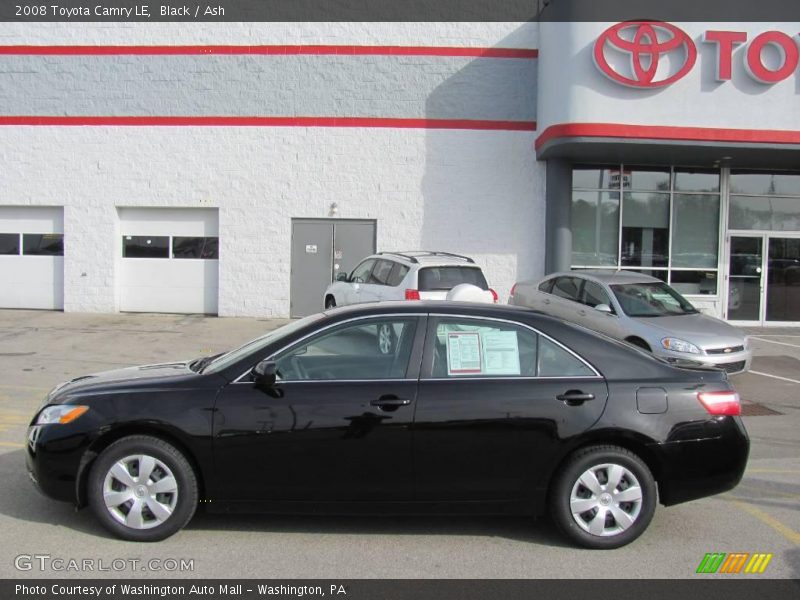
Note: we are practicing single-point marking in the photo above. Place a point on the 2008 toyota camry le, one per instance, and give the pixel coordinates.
(421, 407)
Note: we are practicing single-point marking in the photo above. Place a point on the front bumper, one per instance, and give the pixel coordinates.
(54, 458)
(733, 363)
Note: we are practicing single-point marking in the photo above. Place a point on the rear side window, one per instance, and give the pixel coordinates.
(465, 348)
(446, 278)
(546, 286)
(566, 287)
(397, 274)
(380, 274)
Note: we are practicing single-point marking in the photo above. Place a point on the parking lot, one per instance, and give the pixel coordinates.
(40, 349)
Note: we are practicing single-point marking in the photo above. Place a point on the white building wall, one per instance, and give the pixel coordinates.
(473, 192)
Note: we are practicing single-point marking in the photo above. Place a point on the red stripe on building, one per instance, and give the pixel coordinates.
(666, 132)
(270, 50)
(395, 123)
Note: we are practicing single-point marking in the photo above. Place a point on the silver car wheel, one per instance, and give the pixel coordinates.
(385, 341)
(140, 491)
(606, 499)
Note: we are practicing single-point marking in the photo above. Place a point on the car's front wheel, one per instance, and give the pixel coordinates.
(330, 303)
(604, 497)
(142, 489)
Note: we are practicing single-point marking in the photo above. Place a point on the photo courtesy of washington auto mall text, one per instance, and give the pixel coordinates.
(399, 299)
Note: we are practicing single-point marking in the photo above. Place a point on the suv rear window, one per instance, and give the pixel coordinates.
(446, 278)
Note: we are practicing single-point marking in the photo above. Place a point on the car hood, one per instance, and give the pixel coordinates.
(162, 373)
(699, 329)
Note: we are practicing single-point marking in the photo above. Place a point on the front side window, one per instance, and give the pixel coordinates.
(43, 244)
(371, 349)
(594, 294)
(464, 348)
(651, 300)
(361, 272)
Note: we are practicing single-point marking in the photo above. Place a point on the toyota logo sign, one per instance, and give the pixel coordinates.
(644, 43)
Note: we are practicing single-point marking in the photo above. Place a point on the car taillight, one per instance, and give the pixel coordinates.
(495, 297)
(412, 294)
(513, 290)
(721, 403)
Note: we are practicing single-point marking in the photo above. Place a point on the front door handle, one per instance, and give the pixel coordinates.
(574, 397)
(390, 402)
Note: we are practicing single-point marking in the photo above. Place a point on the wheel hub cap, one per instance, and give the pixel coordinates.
(606, 499)
(140, 491)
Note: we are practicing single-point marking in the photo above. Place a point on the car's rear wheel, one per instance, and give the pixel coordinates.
(330, 303)
(604, 497)
(143, 489)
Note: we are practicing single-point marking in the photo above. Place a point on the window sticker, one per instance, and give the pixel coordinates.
(464, 353)
(500, 352)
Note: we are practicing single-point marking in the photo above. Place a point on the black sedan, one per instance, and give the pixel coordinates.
(397, 407)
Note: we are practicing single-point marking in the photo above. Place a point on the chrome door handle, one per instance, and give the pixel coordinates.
(390, 402)
(574, 397)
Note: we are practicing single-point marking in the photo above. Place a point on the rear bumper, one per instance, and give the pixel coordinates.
(695, 469)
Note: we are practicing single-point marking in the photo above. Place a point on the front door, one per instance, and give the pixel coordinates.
(764, 279)
(335, 427)
(320, 249)
(495, 402)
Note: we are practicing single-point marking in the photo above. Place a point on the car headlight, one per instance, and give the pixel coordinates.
(678, 345)
(60, 413)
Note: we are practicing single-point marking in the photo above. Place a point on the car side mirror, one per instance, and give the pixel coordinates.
(265, 373)
(604, 308)
(341, 276)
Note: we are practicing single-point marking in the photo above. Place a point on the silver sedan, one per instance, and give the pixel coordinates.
(638, 309)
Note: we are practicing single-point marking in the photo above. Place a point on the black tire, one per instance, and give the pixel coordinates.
(183, 473)
(579, 463)
(330, 303)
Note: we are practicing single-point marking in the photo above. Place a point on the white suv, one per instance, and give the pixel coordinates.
(410, 276)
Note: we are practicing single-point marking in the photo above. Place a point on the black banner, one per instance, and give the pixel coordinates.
(397, 10)
(723, 588)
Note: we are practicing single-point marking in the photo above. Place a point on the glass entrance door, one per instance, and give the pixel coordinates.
(745, 278)
(783, 280)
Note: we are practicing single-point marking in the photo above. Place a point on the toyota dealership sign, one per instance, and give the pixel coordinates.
(654, 54)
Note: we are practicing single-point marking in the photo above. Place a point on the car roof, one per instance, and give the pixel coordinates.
(427, 258)
(434, 306)
(609, 276)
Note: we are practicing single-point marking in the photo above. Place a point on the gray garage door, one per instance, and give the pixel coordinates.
(320, 249)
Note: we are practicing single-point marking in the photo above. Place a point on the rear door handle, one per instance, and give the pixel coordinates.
(574, 397)
(390, 402)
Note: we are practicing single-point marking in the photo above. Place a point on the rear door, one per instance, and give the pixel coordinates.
(496, 400)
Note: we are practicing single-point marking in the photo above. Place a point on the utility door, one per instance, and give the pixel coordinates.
(320, 249)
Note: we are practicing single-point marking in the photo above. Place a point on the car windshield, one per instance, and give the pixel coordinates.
(223, 361)
(655, 299)
(446, 278)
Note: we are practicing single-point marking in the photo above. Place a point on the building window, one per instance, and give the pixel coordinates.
(765, 201)
(195, 247)
(662, 222)
(43, 244)
(9, 243)
(145, 246)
